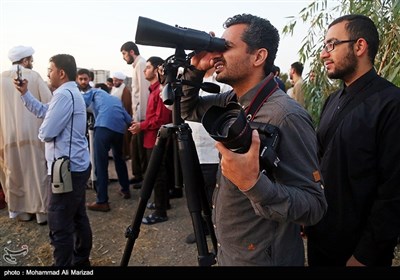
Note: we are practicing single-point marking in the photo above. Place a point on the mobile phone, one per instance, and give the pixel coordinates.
(19, 75)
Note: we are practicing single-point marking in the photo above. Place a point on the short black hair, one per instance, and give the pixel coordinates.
(298, 67)
(128, 46)
(276, 70)
(155, 61)
(67, 63)
(260, 33)
(360, 26)
(103, 86)
(83, 71)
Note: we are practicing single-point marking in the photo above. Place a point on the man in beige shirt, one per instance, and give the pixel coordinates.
(296, 70)
(140, 95)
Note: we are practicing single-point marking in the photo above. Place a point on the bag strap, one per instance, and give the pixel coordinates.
(72, 124)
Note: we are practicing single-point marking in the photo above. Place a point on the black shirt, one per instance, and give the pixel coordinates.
(360, 165)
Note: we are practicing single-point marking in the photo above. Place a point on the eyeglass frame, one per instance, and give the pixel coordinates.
(336, 42)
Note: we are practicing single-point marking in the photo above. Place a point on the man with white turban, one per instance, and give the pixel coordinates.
(124, 93)
(23, 171)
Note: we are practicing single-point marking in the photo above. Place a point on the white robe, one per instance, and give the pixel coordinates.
(140, 90)
(118, 91)
(23, 170)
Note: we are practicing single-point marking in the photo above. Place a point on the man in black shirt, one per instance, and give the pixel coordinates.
(359, 153)
(277, 71)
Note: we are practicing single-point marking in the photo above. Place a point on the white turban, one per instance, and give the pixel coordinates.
(19, 52)
(119, 75)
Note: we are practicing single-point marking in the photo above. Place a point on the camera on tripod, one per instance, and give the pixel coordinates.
(229, 125)
(186, 161)
(154, 33)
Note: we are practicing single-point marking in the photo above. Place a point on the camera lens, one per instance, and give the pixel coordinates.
(229, 126)
(224, 125)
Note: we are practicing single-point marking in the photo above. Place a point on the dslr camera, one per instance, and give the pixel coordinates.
(230, 126)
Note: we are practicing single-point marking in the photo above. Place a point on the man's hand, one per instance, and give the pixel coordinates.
(241, 169)
(21, 88)
(134, 128)
(203, 60)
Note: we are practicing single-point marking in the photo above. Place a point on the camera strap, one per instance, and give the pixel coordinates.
(265, 91)
(61, 167)
(270, 133)
(72, 124)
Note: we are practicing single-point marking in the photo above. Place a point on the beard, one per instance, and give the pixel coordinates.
(83, 87)
(130, 59)
(233, 73)
(346, 68)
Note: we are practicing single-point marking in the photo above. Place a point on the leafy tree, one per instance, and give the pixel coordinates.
(318, 15)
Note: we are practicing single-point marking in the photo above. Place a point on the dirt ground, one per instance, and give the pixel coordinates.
(157, 245)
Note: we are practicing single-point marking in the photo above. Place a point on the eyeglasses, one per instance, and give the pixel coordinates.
(328, 47)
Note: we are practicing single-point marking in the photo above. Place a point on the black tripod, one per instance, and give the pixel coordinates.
(90, 132)
(188, 162)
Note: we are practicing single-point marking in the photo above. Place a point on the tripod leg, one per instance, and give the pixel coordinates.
(177, 165)
(93, 177)
(207, 217)
(195, 194)
(132, 232)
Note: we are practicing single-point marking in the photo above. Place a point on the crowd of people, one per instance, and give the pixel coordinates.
(336, 185)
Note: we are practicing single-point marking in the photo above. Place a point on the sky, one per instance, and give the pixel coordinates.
(94, 30)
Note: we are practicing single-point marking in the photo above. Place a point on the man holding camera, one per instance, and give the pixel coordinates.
(258, 215)
(63, 131)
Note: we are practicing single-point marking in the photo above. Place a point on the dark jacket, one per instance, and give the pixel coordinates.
(262, 225)
(360, 165)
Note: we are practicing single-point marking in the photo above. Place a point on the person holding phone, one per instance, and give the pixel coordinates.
(25, 189)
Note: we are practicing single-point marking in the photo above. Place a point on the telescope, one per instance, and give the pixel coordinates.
(153, 33)
(186, 162)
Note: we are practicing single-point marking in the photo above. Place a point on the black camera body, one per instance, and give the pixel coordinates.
(229, 125)
(269, 136)
(19, 76)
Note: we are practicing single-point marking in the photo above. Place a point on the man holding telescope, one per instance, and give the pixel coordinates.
(257, 216)
(257, 212)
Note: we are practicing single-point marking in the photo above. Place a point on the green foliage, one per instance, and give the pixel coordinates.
(318, 15)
